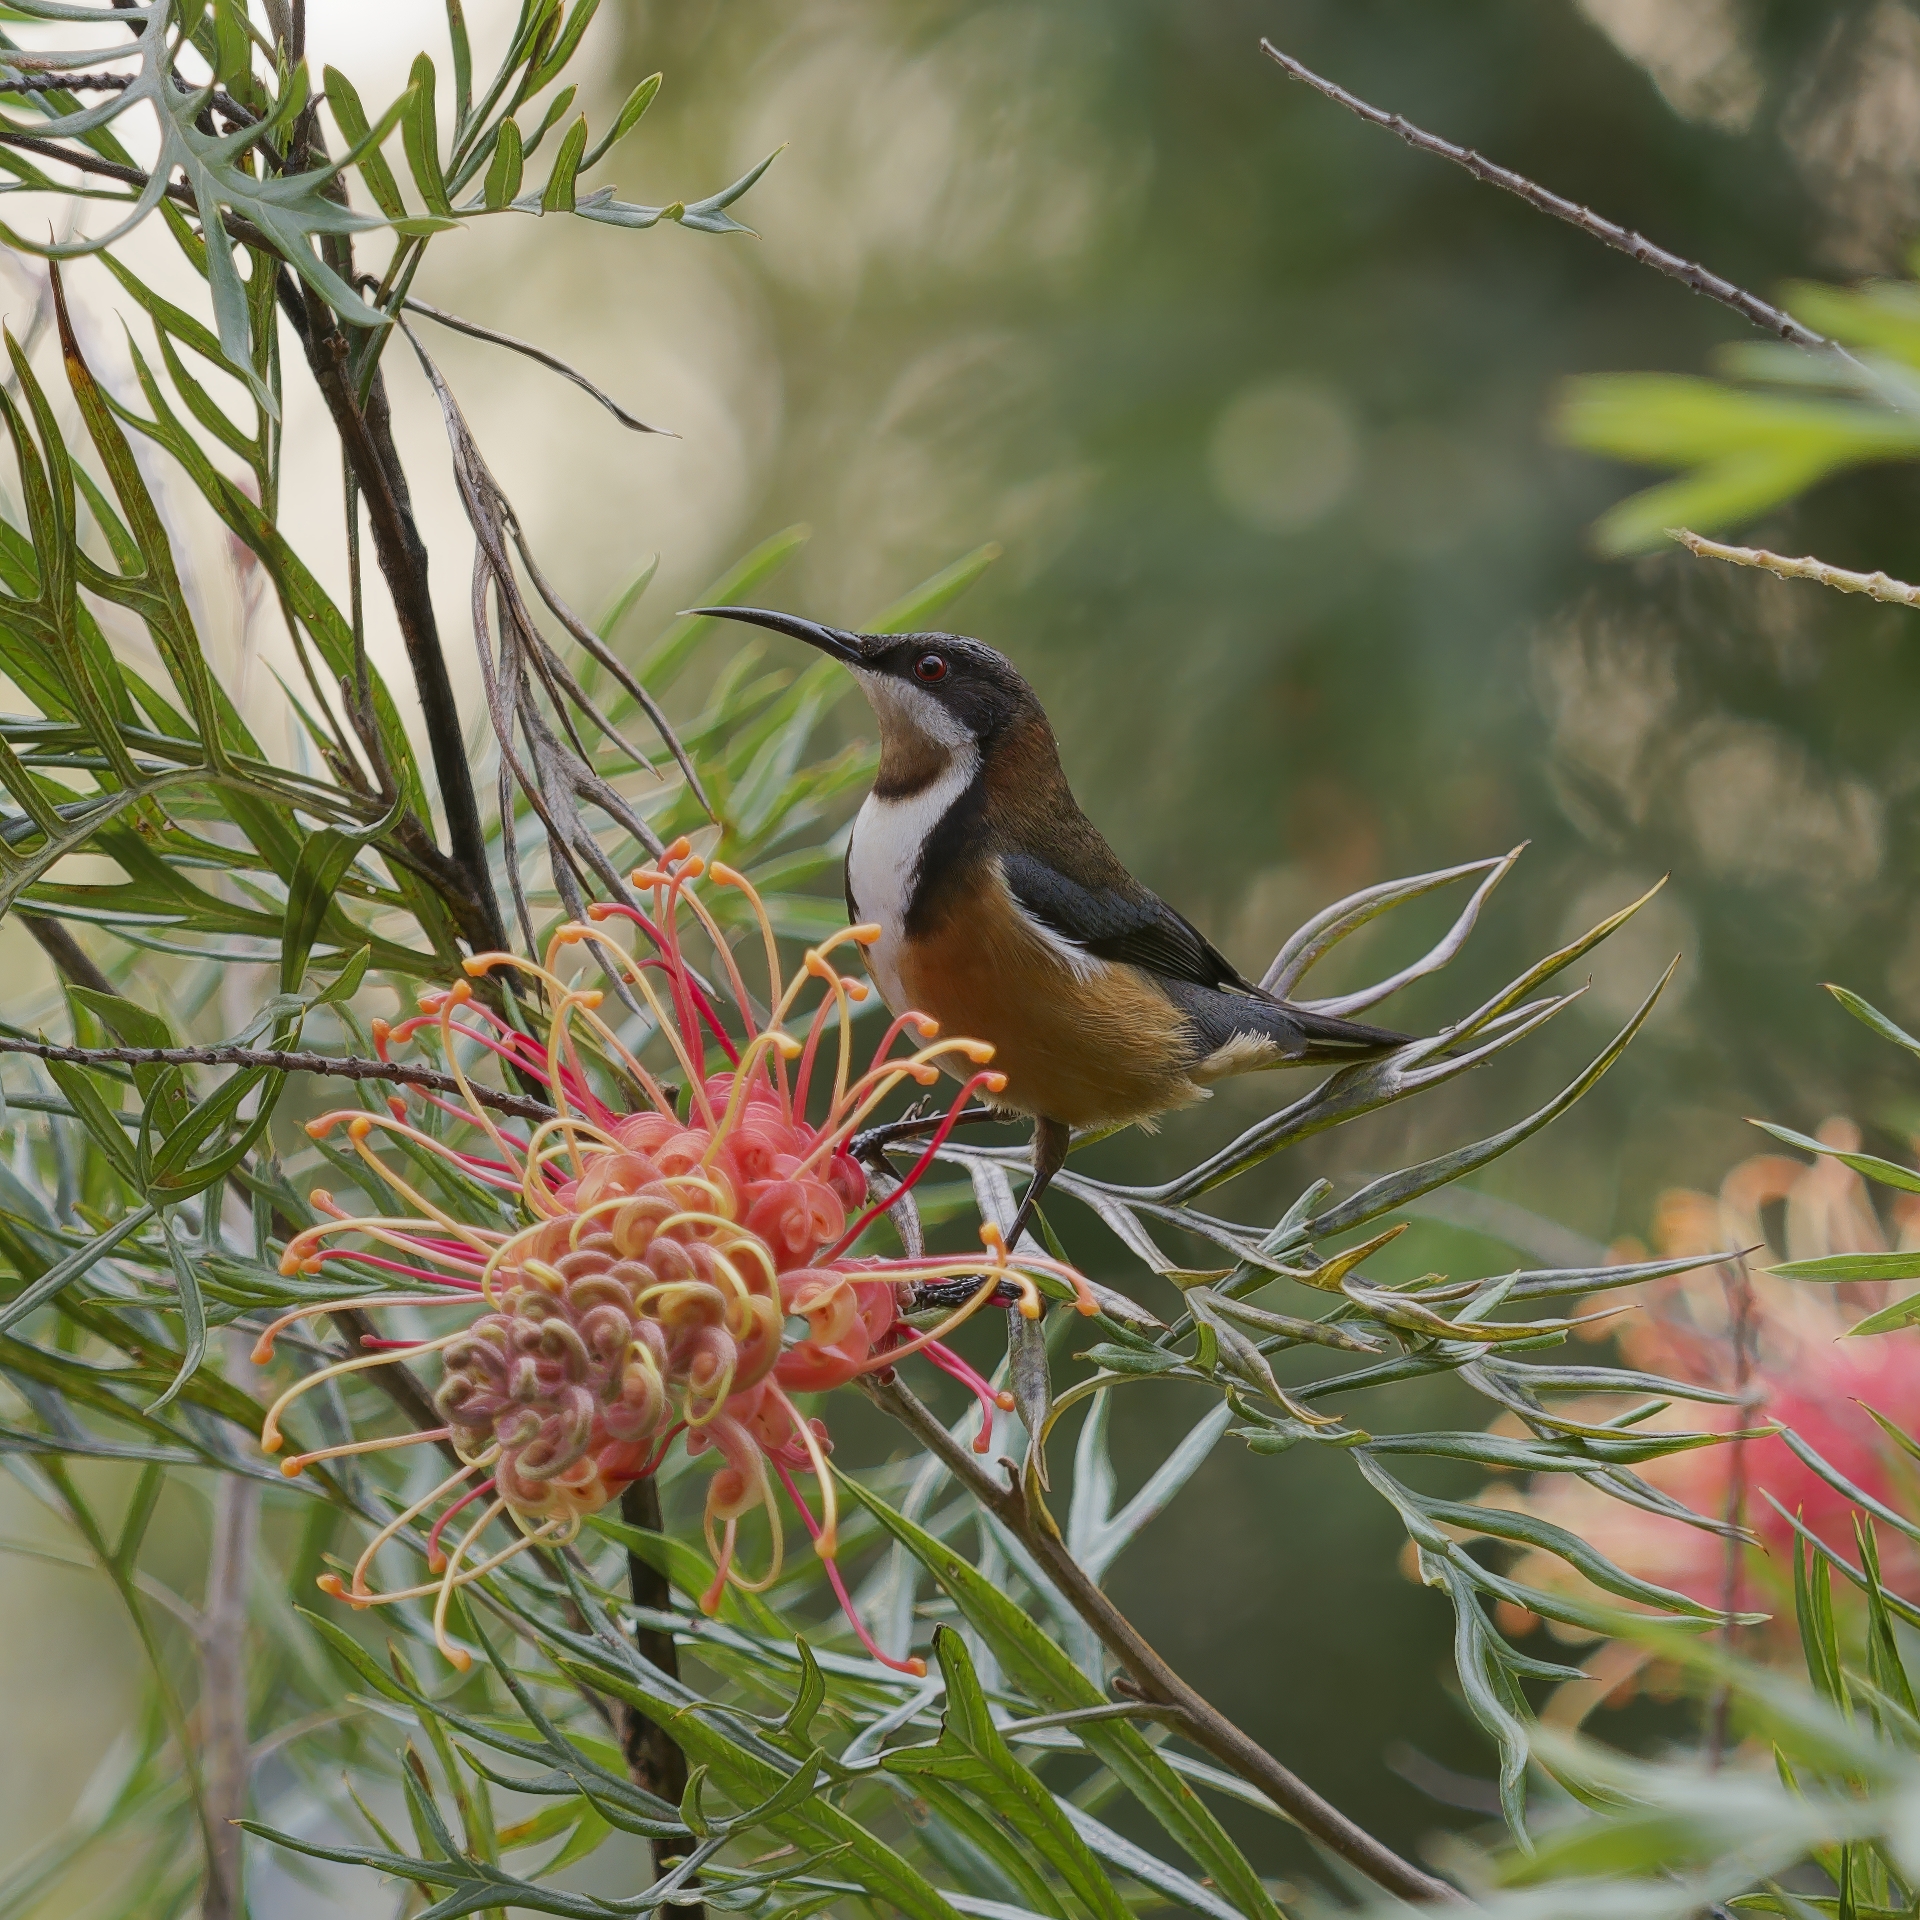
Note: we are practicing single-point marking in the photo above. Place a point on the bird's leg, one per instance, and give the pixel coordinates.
(1051, 1139)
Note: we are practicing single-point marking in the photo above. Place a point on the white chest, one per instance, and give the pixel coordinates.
(883, 864)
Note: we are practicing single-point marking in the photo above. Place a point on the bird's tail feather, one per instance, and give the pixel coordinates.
(1242, 1031)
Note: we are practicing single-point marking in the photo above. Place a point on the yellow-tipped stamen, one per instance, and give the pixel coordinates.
(773, 1041)
(400, 1520)
(735, 985)
(448, 1581)
(566, 1125)
(270, 1437)
(383, 1229)
(669, 1029)
(297, 1464)
(629, 973)
(843, 1013)
(727, 876)
(457, 996)
(778, 1563)
(363, 1124)
(262, 1353)
(827, 1543)
(958, 1317)
(885, 1078)
(863, 935)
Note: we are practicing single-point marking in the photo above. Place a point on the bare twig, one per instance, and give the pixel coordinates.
(1157, 1682)
(1876, 586)
(1609, 233)
(333, 1066)
(221, 101)
(551, 361)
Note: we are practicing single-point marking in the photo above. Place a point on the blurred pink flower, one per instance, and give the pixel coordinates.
(1804, 1374)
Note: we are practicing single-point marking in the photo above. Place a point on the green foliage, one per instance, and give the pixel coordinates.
(145, 1203)
(1777, 421)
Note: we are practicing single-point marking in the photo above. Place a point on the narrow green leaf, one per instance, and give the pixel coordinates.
(1048, 1675)
(637, 102)
(972, 1754)
(504, 170)
(462, 68)
(1888, 1172)
(549, 66)
(1874, 1018)
(912, 610)
(1901, 1265)
(421, 132)
(193, 1316)
(351, 118)
(813, 1823)
(38, 1292)
(558, 196)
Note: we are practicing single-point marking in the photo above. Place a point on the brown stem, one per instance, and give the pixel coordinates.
(70, 958)
(1157, 1682)
(653, 1758)
(367, 436)
(223, 1699)
(334, 1066)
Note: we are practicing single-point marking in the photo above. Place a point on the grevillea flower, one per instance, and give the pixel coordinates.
(676, 1276)
(1805, 1373)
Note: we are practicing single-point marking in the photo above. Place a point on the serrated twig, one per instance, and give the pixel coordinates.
(1876, 586)
(1635, 246)
(330, 1065)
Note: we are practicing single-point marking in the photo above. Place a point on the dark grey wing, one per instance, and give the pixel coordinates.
(1137, 930)
(1141, 930)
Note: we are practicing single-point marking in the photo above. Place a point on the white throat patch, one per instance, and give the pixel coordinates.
(883, 860)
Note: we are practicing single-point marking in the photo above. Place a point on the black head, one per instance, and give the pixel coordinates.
(941, 685)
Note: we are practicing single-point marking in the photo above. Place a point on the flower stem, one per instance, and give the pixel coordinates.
(1155, 1681)
(655, 1761)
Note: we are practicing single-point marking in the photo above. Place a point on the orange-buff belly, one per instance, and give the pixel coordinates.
(1091, 1045)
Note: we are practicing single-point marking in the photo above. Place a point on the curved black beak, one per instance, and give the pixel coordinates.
(842, 645)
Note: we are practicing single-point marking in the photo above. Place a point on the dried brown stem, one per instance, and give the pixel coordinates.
(1149, 1674)
(366, 435)
(224, 1746)
(1609, 233)
(653, 1758)
(333, 1066)
(74, 964)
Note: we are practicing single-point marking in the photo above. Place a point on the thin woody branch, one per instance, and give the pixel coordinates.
(332, 1066)
(1156, 1681)
(1635, 246)
(1876, 586)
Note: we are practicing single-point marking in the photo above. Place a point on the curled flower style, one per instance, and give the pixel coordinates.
(672, 1277)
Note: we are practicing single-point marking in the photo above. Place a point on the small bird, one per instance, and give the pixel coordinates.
(1005, 915)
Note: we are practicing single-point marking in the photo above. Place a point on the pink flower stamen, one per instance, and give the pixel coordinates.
(672, 1281)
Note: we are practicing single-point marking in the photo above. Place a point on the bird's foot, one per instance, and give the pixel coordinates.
(947, 1294)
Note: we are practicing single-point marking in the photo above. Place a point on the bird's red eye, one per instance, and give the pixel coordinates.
(930, 667)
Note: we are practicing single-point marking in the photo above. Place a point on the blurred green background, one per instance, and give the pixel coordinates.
(1258, 404)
